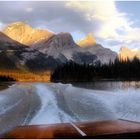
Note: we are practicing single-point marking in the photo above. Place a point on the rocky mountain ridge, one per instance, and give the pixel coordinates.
(25, 34)
(16, 56)
(90, 45)
(42, 49)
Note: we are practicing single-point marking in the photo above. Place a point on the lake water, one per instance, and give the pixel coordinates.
(5, 85)
(97, 85)
(110, 85)
(50, 103)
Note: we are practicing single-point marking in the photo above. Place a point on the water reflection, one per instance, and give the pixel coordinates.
(109, 85)
(5, 85)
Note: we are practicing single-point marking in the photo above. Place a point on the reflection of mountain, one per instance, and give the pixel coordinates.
(43, 49)
(125, 53)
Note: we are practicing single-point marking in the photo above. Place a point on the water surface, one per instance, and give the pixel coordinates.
(51, 103)
(110, 85)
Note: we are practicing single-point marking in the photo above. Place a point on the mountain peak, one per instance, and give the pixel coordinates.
(60, 41)
(18, 26)
(25, 34)
(125, 53)
(18, 23)
(90, 37)
(124, 48)
(66, 38)
(17, 31)
(87, 41)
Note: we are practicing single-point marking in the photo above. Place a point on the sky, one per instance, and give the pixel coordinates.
(113, 23)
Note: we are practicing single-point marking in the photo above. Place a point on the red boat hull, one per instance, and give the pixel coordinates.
(100, 129)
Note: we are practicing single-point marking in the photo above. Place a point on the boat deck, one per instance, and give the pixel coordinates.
(99, 129)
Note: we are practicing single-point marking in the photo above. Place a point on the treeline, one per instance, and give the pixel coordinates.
(6, 78)
(117, 70)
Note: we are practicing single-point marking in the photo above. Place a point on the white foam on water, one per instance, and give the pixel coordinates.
(6, 108)
(127, 104)
(49, 112)
(86, 105)
(2, 98)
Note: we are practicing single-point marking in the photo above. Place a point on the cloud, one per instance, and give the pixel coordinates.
(50, 14)
(104, 19)
(113, 25)
(29, 9)
(104, 14)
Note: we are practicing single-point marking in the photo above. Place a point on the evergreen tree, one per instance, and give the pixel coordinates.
(117, 70)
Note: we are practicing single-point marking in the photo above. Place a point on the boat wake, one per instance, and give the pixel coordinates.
(49, 112)
(65, 103)
(40, 103)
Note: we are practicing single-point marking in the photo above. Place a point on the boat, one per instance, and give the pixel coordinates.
(98, 129)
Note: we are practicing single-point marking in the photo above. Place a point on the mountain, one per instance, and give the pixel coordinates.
(26, 60)
(61, 46)
(25, 34)
(88, 41)
(8, 43)
(90, 45)
(125, 53)
(20, 57)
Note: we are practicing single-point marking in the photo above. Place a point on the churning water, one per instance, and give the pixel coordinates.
(65, 103)
(50, 103)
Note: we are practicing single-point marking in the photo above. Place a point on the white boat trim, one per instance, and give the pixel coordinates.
(78, 130)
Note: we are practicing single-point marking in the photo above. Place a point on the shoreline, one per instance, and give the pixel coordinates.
(96, 80)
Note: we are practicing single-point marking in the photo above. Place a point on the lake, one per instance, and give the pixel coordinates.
(97, 85)
(110, 85)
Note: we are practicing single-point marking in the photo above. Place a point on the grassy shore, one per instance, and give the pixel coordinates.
(25, 76)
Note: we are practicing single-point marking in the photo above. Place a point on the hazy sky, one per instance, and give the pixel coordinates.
(114, 24)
